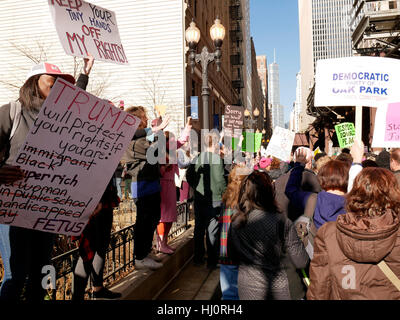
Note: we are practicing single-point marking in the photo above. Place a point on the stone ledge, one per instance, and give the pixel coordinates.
(147, 284)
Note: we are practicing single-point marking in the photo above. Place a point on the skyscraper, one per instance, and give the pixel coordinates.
(274, 95)
(324, 27)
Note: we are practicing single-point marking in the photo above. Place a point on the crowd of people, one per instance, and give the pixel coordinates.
(317, 227)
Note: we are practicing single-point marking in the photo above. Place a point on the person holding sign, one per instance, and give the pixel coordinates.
(24, 251)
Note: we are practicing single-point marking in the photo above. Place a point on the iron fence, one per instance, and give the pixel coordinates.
(119, 257)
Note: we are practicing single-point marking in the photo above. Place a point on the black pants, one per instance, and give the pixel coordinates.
(96, 238)
(206, 223)
(30, 251)
(148, 214)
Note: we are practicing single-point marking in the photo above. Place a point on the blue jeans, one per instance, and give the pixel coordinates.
(228, 277)
(5, 252)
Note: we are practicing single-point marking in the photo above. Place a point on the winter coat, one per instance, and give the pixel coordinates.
(206, 177)
(346, 254)
(261, 247)
(145, 176)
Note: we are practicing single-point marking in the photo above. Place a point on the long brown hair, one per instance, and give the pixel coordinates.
(231, 195)
(29, 94)
(374, 191)
(256, 192)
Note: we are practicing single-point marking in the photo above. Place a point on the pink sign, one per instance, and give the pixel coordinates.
(392, 128)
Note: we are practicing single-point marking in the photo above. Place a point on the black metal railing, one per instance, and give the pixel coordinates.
(119, 257)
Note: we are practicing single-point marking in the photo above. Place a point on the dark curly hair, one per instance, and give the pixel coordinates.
(374, 191)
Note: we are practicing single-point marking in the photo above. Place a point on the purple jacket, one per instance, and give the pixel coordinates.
(329, 205)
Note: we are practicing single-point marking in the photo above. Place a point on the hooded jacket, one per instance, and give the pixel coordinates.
(346, 254)
(329, 206)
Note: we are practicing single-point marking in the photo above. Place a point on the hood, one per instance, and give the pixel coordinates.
(275, 173)
(329, 207)
(366, 239)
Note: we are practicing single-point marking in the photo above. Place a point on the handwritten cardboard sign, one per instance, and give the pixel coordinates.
(281, 143)
(85, 28)
(357, 81)
(346, 134)
(233, 121)
(387, 127)
(69, 157)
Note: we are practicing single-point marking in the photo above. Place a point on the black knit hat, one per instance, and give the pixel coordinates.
(383, 159)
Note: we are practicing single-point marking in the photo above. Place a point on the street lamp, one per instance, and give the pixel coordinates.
(192, 35)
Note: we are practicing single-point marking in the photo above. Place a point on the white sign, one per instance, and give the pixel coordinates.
(357, 81)
(281, 143)
(85, 28)
(387, 127)
(69, 157)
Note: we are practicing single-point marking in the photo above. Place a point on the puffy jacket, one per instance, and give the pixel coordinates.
(346, 254)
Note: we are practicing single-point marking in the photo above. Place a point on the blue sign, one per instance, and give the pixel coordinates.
(194, 107)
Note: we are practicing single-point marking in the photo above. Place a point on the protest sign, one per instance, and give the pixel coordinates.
(387, 127)
(68, 158)
(281, 143)
(85, 28)
(233, 121)
(251, 141)
(346, 134)
(357, 81)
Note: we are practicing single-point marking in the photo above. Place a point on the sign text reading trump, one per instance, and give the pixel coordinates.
(68, 158)
(85, 28)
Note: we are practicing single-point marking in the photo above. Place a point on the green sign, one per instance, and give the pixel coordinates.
(251, 142)
(346, 134)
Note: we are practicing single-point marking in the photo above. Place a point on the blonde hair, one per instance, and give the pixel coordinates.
(321, 162)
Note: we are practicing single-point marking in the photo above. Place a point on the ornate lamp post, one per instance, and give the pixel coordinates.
(256, 114)
(217, 33)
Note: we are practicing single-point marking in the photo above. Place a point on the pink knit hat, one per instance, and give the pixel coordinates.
(265, 162)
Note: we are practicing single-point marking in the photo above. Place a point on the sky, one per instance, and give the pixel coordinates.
(275, 24)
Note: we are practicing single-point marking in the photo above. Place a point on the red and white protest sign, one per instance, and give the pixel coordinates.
(85, 28)
(69, 157)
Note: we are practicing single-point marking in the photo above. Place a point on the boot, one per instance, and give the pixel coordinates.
(161, 245)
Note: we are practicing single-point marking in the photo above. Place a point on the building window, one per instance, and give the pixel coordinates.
(193, 88)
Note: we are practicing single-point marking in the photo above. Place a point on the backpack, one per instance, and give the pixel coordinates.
(305, 226)
(15, 116)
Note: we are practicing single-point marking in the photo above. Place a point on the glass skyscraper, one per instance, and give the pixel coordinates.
(274, 96)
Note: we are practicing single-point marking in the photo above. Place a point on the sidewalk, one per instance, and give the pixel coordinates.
(178, 279)
(193, 283)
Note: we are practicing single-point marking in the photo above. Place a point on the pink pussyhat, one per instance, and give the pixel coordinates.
(265, 162)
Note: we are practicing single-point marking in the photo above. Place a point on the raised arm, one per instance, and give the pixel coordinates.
(293, 190)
